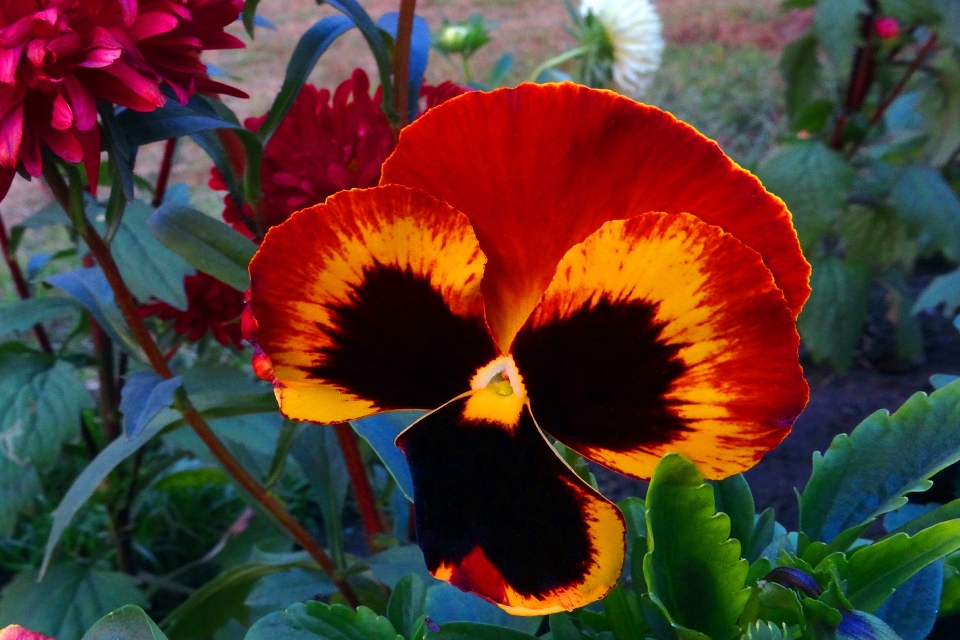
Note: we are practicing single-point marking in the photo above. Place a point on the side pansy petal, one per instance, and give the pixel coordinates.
(662, 334)
(366, 303)
(538, 168)
(498, 513)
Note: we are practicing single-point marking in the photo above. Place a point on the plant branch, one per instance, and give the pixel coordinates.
(23, 290)
(401, 62)
(861, 77)
(370, 514)
(128, 306)
(164, 177)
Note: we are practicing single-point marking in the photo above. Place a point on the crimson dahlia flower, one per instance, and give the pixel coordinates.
(327, 143)
(549, 259)
(58, 57)
(212, 306)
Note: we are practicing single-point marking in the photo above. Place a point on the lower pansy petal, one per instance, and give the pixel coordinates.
(366, 303)
(498, 513)
(661, 334)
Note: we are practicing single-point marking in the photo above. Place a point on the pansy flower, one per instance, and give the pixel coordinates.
(549, 261)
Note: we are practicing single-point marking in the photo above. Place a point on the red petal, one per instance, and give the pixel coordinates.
(540, 167)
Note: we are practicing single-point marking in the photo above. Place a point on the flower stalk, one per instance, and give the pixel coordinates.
(370, 515)
(164, 177)
(70, 199)
(21, 285)
(401, 62)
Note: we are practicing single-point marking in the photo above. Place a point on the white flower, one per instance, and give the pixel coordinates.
(636, 33)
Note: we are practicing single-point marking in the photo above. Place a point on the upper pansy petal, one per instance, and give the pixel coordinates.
(368, 302)
(499, 514)
(538, 168)
(661, 334)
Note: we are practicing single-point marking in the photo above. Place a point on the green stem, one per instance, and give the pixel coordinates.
(467, 73)
(557, 61)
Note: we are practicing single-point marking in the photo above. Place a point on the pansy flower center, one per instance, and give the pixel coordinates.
(498, 393)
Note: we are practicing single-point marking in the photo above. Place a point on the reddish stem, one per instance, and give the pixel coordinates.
(128, 305)
(401, 61)
(108, 390)
(898, 89)
(23, 290)
(370, 515)
(861, 78)
(164, 177)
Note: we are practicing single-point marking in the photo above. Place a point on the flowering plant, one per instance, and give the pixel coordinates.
(360, 401)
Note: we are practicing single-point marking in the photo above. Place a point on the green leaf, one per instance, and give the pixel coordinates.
(394, 564)
(624, 615)
(126, 623)
(950, 596)
(68, 601)
(472, 631)
(833, 317)
(801, 71)
(90, 287)
(208, 244)
(813, 180)
(220, 600)
(912, 13)
(762, 630)
(380, 431)
(40, 404)
(943, 290)
(316, 450)
(145, 394)
(734, 498)
(869, 472)
(20, 315)
(928, 204)
(312, 44)
(563, 628)
(764, 530)
(406, 605)
(873, 572)
(19, 485)
(942, 106)
(315, 621)
(877, 236)
(248, 15)
(149, 268)
(912, 609)
(692, 567)
(279, 590)
(837, 25)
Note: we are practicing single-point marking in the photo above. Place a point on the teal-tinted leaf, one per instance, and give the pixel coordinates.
(857, 625)
(317, 621)
(91, 288)
(407, 603)
(40, 404)
(69, 600)
(394, 564)
(837, 25)
(831, 322)
(126, 623)
(149, 268)
(942, 107)
(911, 12)
(471, 631)
(692, 567)
(220, 600)
(207, 244)
(734, 498)
(928, 518)
(278, 591)
(500, 69)
(380, 431)
(19, 485)
(312, 44)
(943, 290)
(563, 628)
(316, 450)
(801, 70)
(874, 571)
(762, 630)
(121, 155)
(925, 201)
(145, 394)
(764, 532)
(912, 609)
(879, 237)
(445, 604)
(21, 315)
(813, 180)
(869, 472)
(419, 55)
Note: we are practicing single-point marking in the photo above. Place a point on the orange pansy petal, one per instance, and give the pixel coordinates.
(663, 334)
(366, 303)
(498, 513)
(540, 167)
